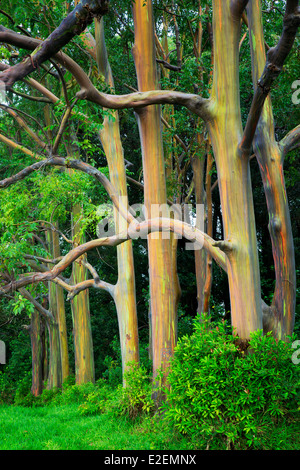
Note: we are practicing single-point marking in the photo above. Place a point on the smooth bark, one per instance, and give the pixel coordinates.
(281, 315)
(162, 282)
(37, 353)
(82, 330)
(234, 176)
(61, 315)
(124, 290)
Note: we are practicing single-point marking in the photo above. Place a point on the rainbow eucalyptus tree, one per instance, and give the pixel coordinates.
(270, 154)
(123, 292)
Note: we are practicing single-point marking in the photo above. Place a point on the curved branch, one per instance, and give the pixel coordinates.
(16, 146)
(74, 23)
(134, 231)
(45, 313)
(96, 282)
(194, 103)
(182, 229)
(67, 260)
(291, 141)
(43, 260)
(87, 284)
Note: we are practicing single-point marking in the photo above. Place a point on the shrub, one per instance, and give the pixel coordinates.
(136, 396)
(223, 398)
(113, 372)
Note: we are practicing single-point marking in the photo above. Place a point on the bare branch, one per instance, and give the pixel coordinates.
(166, 64)
(45, 313)
(16, 146)
(67, 260)
(134, 231)
(74, 23)
(43, 260)
(54, 229)
(194, 103)
(87, 284)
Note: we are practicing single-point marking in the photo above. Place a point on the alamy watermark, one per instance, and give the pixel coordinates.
(191, 215)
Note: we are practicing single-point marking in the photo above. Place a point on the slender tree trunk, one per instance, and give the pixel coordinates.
(200, 255)
(124, 291)
(169, 168)
(162, 298)
(55, 370)
(281, 315)
(45, 348)
(234, 176)
(82, 331)
(80, 304)
(54, 373)
(37, 353)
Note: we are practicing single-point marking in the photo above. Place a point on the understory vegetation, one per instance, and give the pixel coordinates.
(149, 224)
(220, 397)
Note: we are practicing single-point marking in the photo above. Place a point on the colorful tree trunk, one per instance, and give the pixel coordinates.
(61, 315)
(234, 175)
(124, 290)
(82, 331)
(55, 370)
(281, 315)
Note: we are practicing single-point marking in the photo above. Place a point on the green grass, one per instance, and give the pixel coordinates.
(64, 428)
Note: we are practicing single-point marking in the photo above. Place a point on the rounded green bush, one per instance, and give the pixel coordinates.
(222, 397)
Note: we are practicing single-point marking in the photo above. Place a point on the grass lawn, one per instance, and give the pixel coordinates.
(63, 428)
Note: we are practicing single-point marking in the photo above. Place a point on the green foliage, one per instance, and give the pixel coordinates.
(6, 389)
(136, 396)
(96, 402)
(21, 304)
(134, 400)
(22, 396)
(223, 398)
(113, 373)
